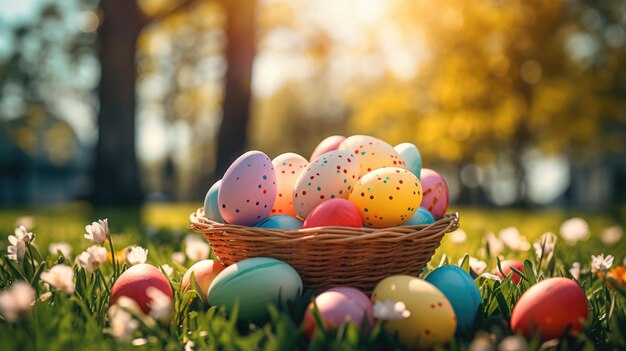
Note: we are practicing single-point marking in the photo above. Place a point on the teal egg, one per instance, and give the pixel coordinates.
(421, 217)
(411, 157)
(255, 283)
(461, 291)
(280, 222)
(211, 207)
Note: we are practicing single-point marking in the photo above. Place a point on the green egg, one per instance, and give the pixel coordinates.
(255, 283)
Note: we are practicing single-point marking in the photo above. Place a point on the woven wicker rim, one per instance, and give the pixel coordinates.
(331, 234)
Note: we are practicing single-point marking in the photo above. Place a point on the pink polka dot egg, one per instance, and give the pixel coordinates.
(248, 189)
(288, 167)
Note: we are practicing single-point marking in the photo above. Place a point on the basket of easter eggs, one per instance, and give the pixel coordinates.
(359, 211)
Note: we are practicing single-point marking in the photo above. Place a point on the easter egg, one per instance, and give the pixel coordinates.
(288, 167)
(387, 196)
(506, 270)
(204, 272)
(435, 193)
(330, 176)
(254, 284)
(461, 291)
(420, 217)
(372, 153)
(329, 144)
(248, 189)
(550, 307)
(431, 322)
(411, 156)
(337, 306)
(280, 222)
(134, 282)
(211, 205)
(334, 212)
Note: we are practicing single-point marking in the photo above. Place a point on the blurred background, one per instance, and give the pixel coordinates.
(519, 103)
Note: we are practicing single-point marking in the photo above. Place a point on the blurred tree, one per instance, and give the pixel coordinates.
(500, 78)
(116, 176)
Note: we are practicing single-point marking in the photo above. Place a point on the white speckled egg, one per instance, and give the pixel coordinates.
(330, 176)
(248, 189)
(288, 167)
(372, 153)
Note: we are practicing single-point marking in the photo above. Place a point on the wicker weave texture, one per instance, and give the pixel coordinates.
(326, 257)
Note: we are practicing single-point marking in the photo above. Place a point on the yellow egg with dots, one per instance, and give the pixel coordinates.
(387, 197)
(431, 320)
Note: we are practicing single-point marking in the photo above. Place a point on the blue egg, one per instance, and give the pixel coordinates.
(462, 292)
(280, 222)
(211, 207)
(411, 157)
(420, 217)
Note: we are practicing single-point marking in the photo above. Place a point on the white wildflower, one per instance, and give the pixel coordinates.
(18, 299)
(476, 265)
(27, 222)
(458, 236)
(189, 345)
(160, 305)
(390, 310)
(544, 247)
(22, 234)
(61, 277)
(98, 232)
(574, 230)
(167, 269)
(495, 245)
(575, 270)
(178, 257)
(136, 255)
(511, 237)
(600, 263)
(122, 324)
(45, 296)
(92, 258)
(139, 342)
(513, 343)
(17, 249)
(64, 248)
(612, 235)
(196, 248)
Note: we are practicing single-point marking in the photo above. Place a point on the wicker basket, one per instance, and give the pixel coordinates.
(331, 256)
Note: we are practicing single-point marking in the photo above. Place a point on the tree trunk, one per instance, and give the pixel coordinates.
(240, 50)
(116, 178)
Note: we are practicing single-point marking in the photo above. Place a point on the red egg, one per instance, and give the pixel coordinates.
(329, 144)
(506, 269)
(550, 307)
(340, 305)
(335, 212)
(134, 282)
(204, 271)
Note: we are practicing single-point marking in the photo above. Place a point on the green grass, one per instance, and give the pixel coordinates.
(76, 322)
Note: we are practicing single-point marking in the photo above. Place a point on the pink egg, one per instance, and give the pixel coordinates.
(134, 282)
(248, 189)
(506, 270)
(329, 144)
(288, 167)
(551, 307)
(334, 212)
(340, 305)
(435, 198)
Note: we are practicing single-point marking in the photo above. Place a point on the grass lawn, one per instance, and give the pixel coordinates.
(77, 321)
